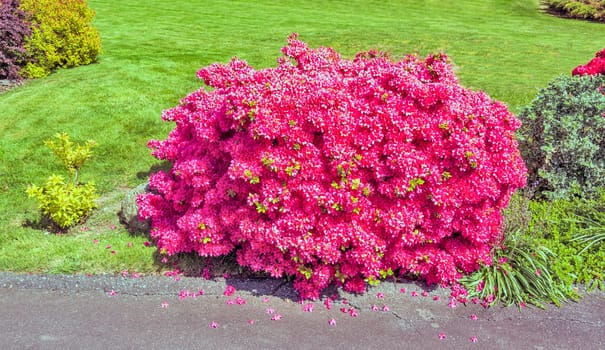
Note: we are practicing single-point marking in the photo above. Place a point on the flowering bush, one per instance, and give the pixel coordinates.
(335, 170)
(62, 36)
(594, 67)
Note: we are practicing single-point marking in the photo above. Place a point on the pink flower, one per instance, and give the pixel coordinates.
(251, 321)
(424, 293)
(353, 312)
(201, 292)
(343, 310)
(112, 227)
(270, 311)
(95, 241)
(328, 303)
(385, 308)
(441, 336)
(214, 325)
(240, 301)
(147, 243)
(473, 339)
(332, 322)
(129, 245)
(402, 290)
(374, 308)
(436, 298)
(276, 317)
(379, 295)
(164, 260)
(230, 302)
(473, 317)
(206, 274)
(414, 294)
(538, 272)
(229, 290)
(124, 273)
(135, 275)
(112, 293)
(265, 299)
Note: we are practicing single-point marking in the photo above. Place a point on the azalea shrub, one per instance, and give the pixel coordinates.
(333, 170)
(593, 67)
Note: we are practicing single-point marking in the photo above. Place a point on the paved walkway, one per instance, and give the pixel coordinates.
(108, 312)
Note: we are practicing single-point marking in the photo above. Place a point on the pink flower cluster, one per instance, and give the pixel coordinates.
(336, 171)
(594, 67)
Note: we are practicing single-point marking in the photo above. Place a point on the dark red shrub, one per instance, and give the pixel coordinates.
(13, 30)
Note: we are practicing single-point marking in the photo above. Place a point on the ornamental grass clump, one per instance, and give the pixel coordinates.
(333, 170)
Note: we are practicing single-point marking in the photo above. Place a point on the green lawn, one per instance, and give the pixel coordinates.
(152, 50)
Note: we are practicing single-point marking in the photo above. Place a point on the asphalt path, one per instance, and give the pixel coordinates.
(158, 312)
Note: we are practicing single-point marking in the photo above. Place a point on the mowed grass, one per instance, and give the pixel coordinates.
(152, 50)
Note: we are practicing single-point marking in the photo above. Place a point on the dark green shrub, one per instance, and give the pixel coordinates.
(14, 28)
(584, 9)
(62, 36)
(562, 137)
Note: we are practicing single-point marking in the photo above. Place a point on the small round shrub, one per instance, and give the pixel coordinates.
(562, 137)
(14, 28)
(336, 170)
(62, 36)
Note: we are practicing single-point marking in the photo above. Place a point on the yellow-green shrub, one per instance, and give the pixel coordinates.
(66, 203)
(62, 36)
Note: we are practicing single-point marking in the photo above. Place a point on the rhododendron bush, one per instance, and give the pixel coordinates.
(593, 67)
(336, 170)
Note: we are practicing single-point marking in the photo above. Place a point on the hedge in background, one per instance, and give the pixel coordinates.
(562, 137)
(14, 28)
(62, 36)
(334, 170)
(584, 9)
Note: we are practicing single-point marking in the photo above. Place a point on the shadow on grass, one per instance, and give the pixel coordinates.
(163, 166)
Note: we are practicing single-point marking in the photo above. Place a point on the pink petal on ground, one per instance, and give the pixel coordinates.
(250, 321)
(379, 295)
(112, 293)
(270, 311)
(164, 305)
(214, 325)
(276, 317)
(473, 317)
(229, 291)
(474, 339)
(402, 290)
(385, 308)
(332, 322)
(436, 298)
(308, 307)
(442, 336)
